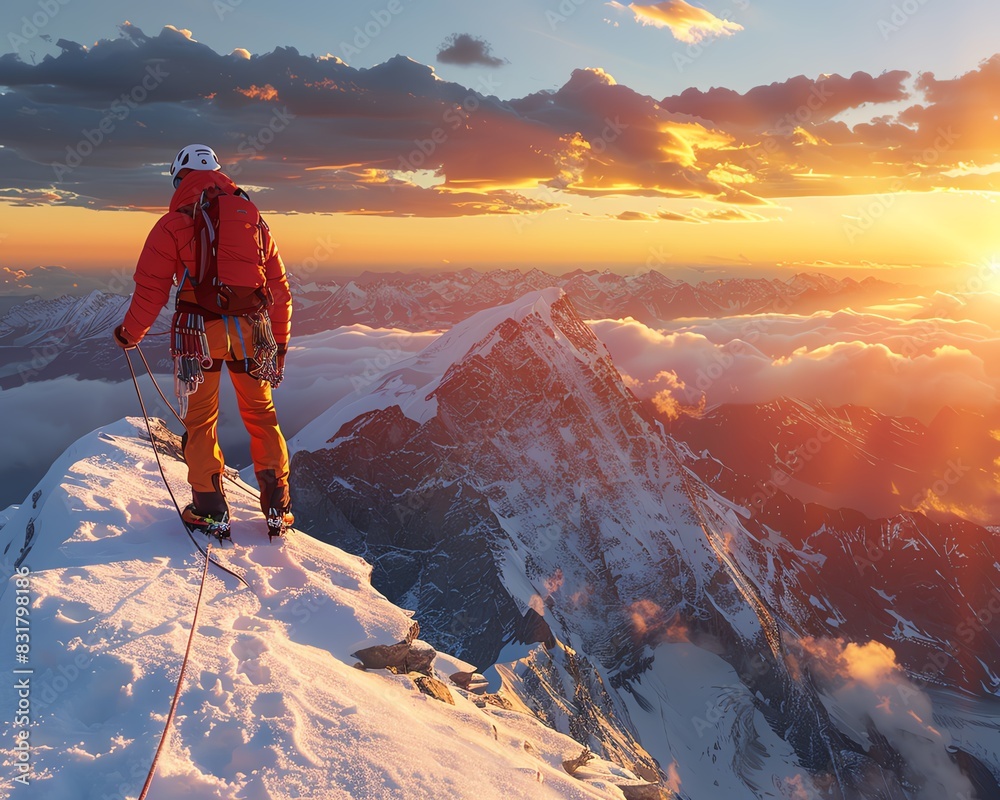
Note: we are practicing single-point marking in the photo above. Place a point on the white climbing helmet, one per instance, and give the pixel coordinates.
(194, 156)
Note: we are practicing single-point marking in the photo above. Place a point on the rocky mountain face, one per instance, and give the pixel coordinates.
(892, 575)
(508, 487)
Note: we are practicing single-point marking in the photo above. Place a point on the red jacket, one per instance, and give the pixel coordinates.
(169, 250)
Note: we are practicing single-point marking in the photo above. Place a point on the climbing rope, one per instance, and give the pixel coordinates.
(180, 681)
(242, 487)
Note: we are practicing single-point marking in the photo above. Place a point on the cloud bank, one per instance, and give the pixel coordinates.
(910, 366)
(95, 126)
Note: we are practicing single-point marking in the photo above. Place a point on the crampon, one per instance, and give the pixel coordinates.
(216, 524)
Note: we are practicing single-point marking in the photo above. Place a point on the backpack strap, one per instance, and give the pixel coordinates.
(264, 229)
(206, 245)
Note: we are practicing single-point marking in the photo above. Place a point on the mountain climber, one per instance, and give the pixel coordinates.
(232, 290)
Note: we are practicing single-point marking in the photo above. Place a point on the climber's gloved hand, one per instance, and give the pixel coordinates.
(279, 365)
(124, 339)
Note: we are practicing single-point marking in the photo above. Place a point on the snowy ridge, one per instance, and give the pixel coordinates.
(273, 706)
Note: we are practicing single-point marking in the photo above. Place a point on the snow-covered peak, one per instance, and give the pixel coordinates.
(272, 704)
(411, 383)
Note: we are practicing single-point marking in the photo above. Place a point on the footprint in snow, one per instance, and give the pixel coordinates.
(248, 650)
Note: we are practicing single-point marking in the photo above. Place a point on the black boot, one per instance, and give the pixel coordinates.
(275, 503)
(209, 511)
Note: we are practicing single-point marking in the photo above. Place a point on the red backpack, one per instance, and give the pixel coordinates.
(230, 254)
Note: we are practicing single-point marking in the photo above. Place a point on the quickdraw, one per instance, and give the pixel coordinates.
(190, 350)
(264, 350)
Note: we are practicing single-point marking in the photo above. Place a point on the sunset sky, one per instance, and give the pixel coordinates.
(733, 133)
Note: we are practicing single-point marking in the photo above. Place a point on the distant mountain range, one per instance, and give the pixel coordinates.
(420, 302)
(44, 338)
(850, 456)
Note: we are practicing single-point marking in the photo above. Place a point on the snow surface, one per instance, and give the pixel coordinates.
(718, 742)
(272, 706)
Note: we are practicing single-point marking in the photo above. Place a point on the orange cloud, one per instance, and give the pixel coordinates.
(649, 622)
(673, 778)
(727, 215)
(667, 404)
(872, 663)
(265, 92)
(687, 23)
(646, 615)
(781, 106)
(871, 689)
(635, 216)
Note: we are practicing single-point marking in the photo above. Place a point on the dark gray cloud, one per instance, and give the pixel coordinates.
(96, 127)
(791, 102)
(467, 50)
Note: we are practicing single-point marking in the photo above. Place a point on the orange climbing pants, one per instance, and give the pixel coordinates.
(202, 453)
